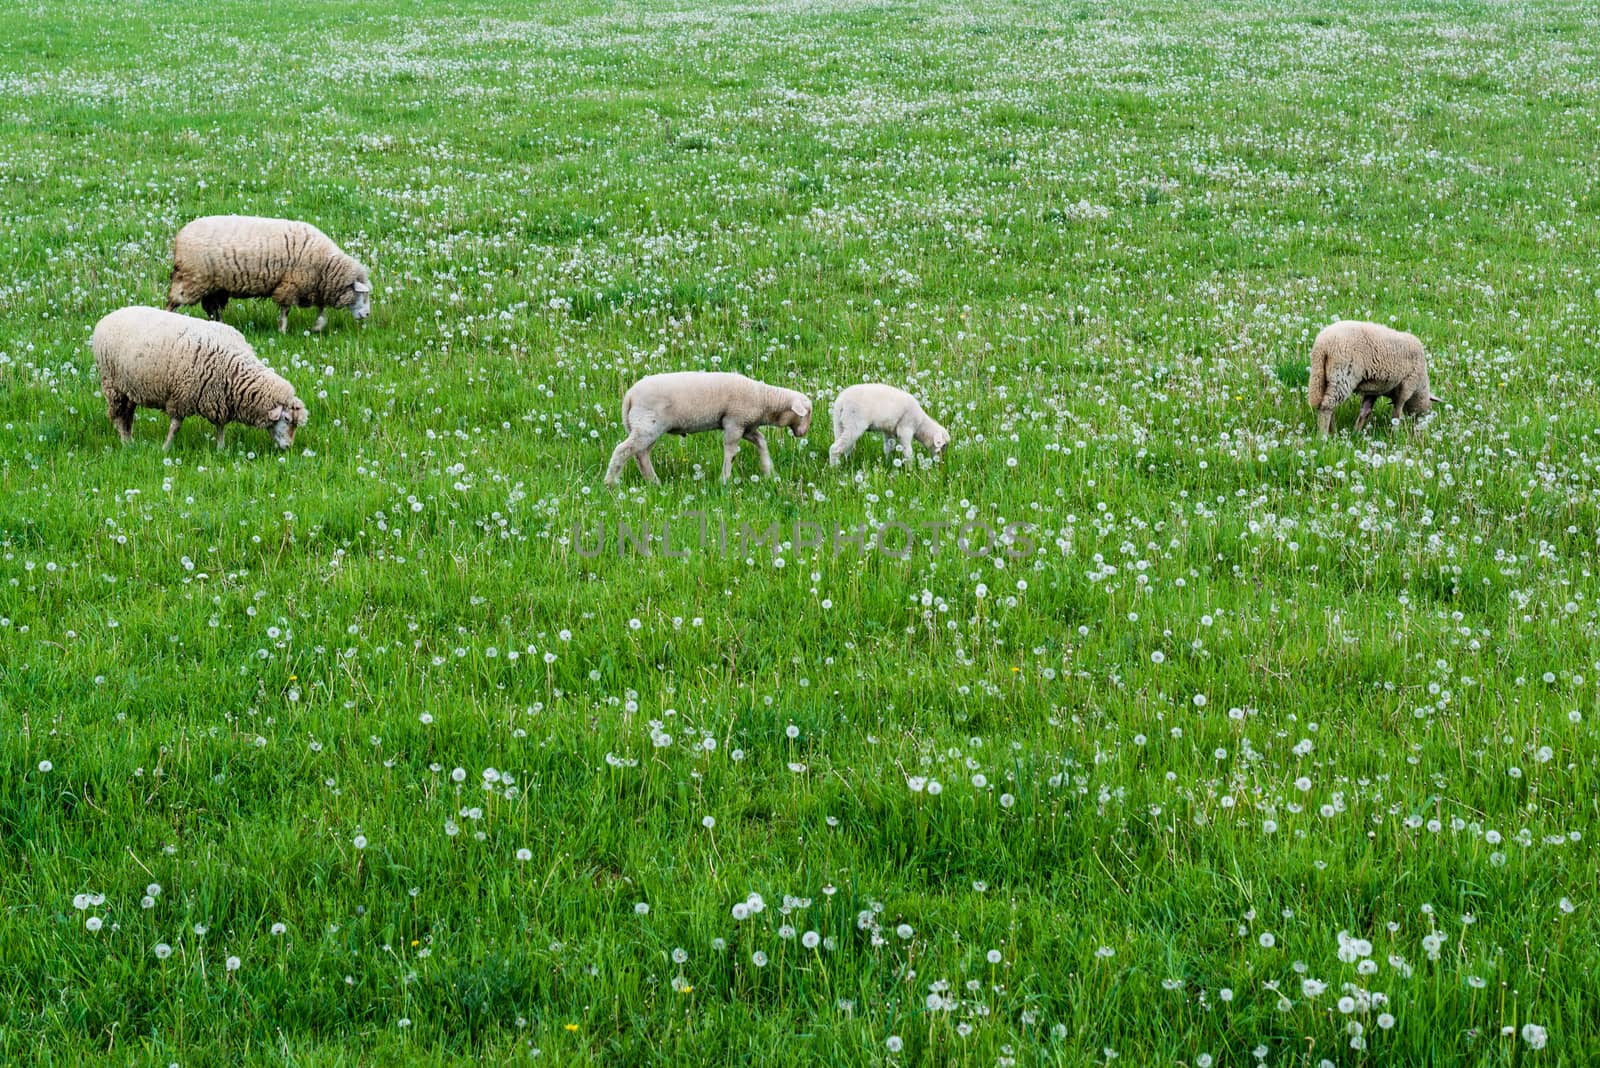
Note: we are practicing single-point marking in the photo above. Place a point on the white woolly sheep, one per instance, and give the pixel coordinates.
(1372, 360)
(149, 358)
(894, 413)
(294, 263)
(688, 402)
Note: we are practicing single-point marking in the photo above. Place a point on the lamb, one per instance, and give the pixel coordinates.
(149, 358)
(297, 265)
(893, 412)
(1372, 360)
(688, 402)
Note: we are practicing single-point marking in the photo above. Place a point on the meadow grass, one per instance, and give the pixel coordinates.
(1253, 748)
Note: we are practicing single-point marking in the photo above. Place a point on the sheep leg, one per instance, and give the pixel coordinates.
(643, 439)
(642, 458)
(1325, 422)
(754, 437)
(221, 427)
(283, 319)
(173, 423)
(905, 435)
(120, 410)
(731, 436)
(619, 456)
(1399, 398)
(1366, 412)
(213, 303)
(888, 445)
(322, 320)
(843, 445)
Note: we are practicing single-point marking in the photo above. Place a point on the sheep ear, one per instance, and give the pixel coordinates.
(800, 406)
(363, 287)
(276, 414)
(1436, 399)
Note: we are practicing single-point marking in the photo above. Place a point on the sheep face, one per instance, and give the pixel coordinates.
(1420, 403)
(358, 297)
(346, 284)
(285, 420)
(797, 417)
(932, 436)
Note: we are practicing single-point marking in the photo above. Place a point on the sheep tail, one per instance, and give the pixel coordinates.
(627, 406)
(1319, 375)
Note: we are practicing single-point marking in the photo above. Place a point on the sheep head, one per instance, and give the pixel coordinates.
(932, 436)
(361, 304)
(351, 288)
(285, 419)
(1421, 402)
(797, 416)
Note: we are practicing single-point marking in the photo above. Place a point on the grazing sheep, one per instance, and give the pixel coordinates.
(149, 358)
(294, 263)
(688, 402)
(893, 412)
(1372, 360)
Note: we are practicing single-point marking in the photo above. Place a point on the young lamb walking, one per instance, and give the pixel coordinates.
(688, 402)
(892, 412)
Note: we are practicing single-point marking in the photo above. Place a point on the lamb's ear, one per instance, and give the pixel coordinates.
(800, 405)
(276, 414)
(363, 287)
(1436, 399)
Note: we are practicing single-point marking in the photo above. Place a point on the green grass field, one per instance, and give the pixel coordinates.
(1250, 749)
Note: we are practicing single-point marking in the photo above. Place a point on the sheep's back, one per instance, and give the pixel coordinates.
(876, 405)
(698, 400)
(135, 353)
(158, 359)
(248, 256)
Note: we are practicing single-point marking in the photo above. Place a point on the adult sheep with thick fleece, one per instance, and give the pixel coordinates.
(293, 263)
(689, 402)
(894, 413)
(1351, 357)
(149, 358)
